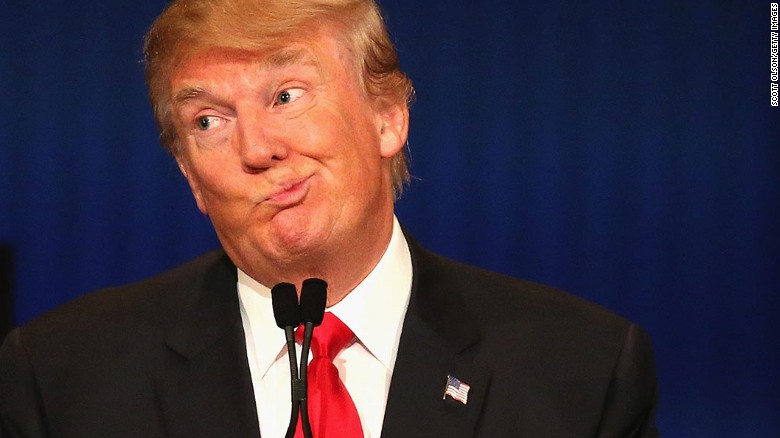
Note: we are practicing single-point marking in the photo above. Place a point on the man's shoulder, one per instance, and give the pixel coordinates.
(496, 299)
(147, 303)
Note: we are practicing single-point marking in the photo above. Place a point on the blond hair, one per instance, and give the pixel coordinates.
(190, 26)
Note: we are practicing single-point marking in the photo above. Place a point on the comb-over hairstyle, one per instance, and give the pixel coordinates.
(187, 27)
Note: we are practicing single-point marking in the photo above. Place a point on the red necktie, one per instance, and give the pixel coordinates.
(332, 412)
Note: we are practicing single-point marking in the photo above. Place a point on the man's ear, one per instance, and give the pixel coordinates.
(193, 182)
(394, 129)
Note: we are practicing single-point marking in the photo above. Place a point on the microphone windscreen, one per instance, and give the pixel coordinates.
(314, 294)
(285, 304)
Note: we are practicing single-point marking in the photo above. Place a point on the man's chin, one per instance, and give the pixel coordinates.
(295, 236)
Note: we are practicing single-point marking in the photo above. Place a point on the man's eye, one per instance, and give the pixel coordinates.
(288, 96)
(208, 122)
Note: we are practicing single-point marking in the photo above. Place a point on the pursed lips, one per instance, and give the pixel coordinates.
(289, 193)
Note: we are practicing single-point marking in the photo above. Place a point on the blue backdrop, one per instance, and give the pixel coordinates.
(624, 151)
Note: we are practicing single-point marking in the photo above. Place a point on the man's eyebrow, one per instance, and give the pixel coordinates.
(289, 56)
(188, 93)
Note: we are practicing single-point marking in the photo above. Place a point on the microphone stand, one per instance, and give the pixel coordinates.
(287, 314)
(308, 331)
(297, 386)
(312, 307)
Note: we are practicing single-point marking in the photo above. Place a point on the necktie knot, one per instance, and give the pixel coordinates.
(329, 338)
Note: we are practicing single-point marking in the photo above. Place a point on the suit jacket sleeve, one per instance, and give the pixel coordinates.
(629, 409)
(21, 413)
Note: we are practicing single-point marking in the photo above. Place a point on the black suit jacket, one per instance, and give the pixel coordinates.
(167, 357)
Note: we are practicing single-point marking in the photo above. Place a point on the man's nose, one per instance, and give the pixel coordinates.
(262, 143)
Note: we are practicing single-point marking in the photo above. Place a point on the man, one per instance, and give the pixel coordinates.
(288, 120)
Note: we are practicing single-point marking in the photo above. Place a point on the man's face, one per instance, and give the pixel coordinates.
(285, 153)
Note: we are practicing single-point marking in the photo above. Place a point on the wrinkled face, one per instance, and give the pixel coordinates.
(284, 152)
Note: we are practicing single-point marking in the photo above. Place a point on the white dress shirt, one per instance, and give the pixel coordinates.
(374, 311)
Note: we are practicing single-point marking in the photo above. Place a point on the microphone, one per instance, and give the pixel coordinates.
(285, 303)
(314, 295)
(287, 314)
(312, 309)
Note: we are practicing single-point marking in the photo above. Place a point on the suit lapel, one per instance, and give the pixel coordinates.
(438, 339)
(205, 388)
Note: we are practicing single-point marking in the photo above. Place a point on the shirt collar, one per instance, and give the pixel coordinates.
(374, 310)
(266, 337)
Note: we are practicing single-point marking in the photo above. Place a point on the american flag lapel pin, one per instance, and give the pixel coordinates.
(456, 389)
